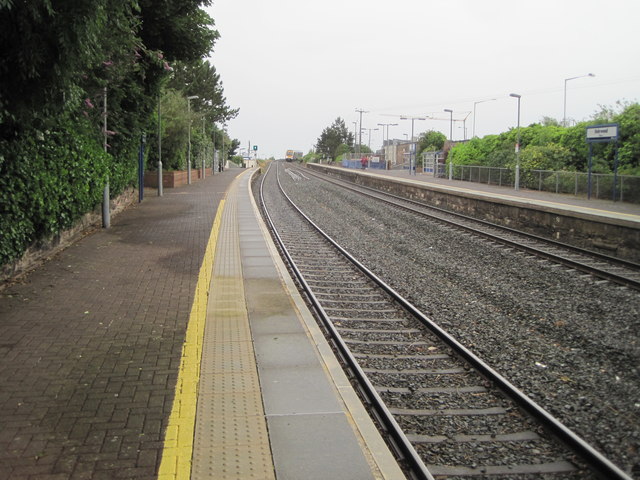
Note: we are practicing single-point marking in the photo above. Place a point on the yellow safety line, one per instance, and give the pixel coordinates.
(178, 441)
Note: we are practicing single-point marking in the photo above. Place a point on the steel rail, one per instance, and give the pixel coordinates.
(595, 271)
(403, 446)
(590, 455)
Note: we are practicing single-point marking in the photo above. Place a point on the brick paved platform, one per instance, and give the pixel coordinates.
(90, 342)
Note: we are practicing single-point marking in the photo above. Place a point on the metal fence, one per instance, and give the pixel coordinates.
(575, 183)
(372, 160)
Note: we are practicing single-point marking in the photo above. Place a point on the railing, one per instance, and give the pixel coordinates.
(371, 161)
(575, 183)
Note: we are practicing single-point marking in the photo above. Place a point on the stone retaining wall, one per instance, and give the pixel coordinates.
(43, 249)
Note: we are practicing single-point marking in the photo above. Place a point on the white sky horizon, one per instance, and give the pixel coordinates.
(293, 67)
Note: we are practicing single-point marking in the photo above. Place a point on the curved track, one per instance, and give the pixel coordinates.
(448, 414)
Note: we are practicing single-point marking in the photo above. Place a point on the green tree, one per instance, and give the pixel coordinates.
(49, 50)
(200, 78)
(431, 140)
(342, 149)
(180, 30)
(627, 116)
(57, 59)
(332, 137)
(311, 156)
(544, 157)
(549, 146)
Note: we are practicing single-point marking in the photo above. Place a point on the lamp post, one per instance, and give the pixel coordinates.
(215, 153)
(224, 133)
(355, 134)
(411, 151)
(450, 139)
(517, 179)
(386, 125)
(564, 110)
(473, 134)
(387, 141)
(189, 137)
(106, 213)
(204, 154)
(450, 112)
(360, 111)
(159, 149)
(369, 138)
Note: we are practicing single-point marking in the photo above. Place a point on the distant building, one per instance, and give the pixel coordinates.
(249, 162)
(397, 152)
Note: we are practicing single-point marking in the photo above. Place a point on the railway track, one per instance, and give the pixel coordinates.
(606, 267)
(448, 414)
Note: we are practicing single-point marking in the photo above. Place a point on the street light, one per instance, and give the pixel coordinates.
(384, 149)
(517, 180)
(564, 111)
(189, 137)
(450, 123)
(383, 140)
(474, 114)
(224, 134)
(215, 152)
(386, 125)
(355, 135)
(450, 140)
(360, 111)
(370, 130)
(411, 160)
(160, 186)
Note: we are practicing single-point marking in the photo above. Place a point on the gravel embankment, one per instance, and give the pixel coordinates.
(568, 341)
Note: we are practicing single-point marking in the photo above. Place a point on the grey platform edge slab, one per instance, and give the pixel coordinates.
(312, 434)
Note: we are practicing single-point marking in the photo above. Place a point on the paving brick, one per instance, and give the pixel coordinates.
(92, 341)
(147, 458)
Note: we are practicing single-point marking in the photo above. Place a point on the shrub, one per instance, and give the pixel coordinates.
(47, 184)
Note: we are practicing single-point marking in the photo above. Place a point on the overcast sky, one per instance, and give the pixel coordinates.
(293, 66)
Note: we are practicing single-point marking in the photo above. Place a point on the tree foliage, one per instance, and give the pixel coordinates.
(431, 140)
(548, 146)
(191, 79)
(332, 137)
(58, 59)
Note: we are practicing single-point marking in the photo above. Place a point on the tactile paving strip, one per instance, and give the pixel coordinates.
(231, 439)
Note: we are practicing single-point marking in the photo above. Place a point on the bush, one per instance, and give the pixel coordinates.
(47, 184)
(544, 157)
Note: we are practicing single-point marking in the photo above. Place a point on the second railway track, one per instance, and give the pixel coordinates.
(617, 270)
(450, 405)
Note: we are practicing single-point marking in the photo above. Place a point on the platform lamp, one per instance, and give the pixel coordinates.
(474, 114)
(384, 146)
(411, 159)
(564, 110)
(450, 112)
(192, 97)
(517, 179)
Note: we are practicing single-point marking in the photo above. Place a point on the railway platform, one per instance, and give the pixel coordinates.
(622, 210)
(610, 227)
(174, 345)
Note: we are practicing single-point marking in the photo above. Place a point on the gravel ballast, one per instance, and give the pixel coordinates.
(568, 340)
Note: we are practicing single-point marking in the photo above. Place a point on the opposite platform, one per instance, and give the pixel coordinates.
(609, 227)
